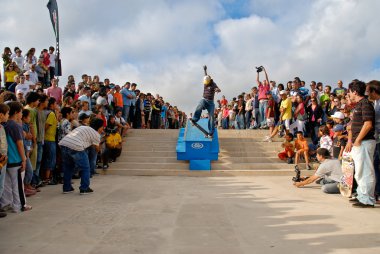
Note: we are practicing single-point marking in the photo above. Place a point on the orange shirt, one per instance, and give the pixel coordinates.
(118, 98)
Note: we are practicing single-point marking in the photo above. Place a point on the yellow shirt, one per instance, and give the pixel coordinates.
(113, 140)
(10, 76)
(287, 106)
(52, 129)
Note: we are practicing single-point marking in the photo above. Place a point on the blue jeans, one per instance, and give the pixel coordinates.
(210, 107)
(2, 179)
(248, 117)
(364, 171)
(126, 110)
(240, 121)
(263, 105)
(329, 186)
(72, 159)
(225, 123)
(376, 163)
(92, 156)
(36, 175)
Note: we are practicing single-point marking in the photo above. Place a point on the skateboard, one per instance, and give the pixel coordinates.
(207, 135)
(348, 167)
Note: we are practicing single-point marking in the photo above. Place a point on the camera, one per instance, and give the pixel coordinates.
(259, 69)
(297, 178)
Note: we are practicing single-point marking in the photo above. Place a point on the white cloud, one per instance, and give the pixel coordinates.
(163, 44)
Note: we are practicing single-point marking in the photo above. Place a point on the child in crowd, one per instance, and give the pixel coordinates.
(50, 149)
(122, 125)
(288, 146)
(325, 140)
(65, 126)
(13, 198)
(4, 113)
(28, 147)
(330, 126)
(302, 149)
(339, 142)
(113, 140)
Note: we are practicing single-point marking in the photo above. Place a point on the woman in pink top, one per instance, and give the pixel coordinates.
(264, 87)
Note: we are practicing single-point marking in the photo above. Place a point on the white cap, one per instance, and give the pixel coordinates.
(338, 115)
(282, 92)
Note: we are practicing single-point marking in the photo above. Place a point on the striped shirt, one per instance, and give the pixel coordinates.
(363, 112)
(209, 91)
(81, 138)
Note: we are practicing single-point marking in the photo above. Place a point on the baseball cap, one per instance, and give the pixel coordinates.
(338, 127)
(338, 115)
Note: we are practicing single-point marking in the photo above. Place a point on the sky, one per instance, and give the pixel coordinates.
(162, 44)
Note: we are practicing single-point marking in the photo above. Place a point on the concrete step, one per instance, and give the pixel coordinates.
(206, 173)
(219, 165)
(221, 159)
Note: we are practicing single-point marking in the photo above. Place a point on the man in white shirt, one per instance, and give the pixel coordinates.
(74, 148)
(33, 76)
(23, 86)
(53, 58)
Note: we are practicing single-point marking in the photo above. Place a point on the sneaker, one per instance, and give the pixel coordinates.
(266, 138)
(68, 191)
(290, 161)
(353, 200)
(85, 192)
(308, 167)
(3, 214)
(270, 140)
(361, 205)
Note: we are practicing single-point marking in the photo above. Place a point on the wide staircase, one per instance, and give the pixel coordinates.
(153, 153)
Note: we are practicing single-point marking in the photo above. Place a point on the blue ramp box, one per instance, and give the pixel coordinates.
(192, 145)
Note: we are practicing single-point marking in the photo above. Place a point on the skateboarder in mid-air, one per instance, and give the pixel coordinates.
(207, 102)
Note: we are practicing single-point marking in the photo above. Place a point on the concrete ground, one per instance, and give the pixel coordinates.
(229, 215)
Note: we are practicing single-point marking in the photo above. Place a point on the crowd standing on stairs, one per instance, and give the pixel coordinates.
(343, 119)
(45, 129)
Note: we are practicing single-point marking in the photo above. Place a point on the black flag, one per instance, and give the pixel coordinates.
(53, 10)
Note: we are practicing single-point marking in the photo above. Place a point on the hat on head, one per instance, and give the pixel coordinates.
(207, 80)
(338, 115)
(26, 73)
(338, 127)
(282, 92)
(19, 91)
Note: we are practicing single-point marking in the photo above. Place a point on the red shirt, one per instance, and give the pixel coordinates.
(271, 105)
(223, 102)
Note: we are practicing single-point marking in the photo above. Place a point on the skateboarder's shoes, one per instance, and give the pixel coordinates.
(361, 205)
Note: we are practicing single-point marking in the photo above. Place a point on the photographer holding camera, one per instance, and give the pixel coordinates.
(328, 173)
(263, 100)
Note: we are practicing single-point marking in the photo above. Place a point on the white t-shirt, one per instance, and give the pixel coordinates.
(33, 76)
(19, 60)
(25, 88)
(52, 60)
(81, 138)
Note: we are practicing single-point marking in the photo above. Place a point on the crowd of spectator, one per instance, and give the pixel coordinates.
(48, 133)
(317, 123)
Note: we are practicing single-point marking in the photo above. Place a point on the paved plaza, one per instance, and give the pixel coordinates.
(221, 215)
